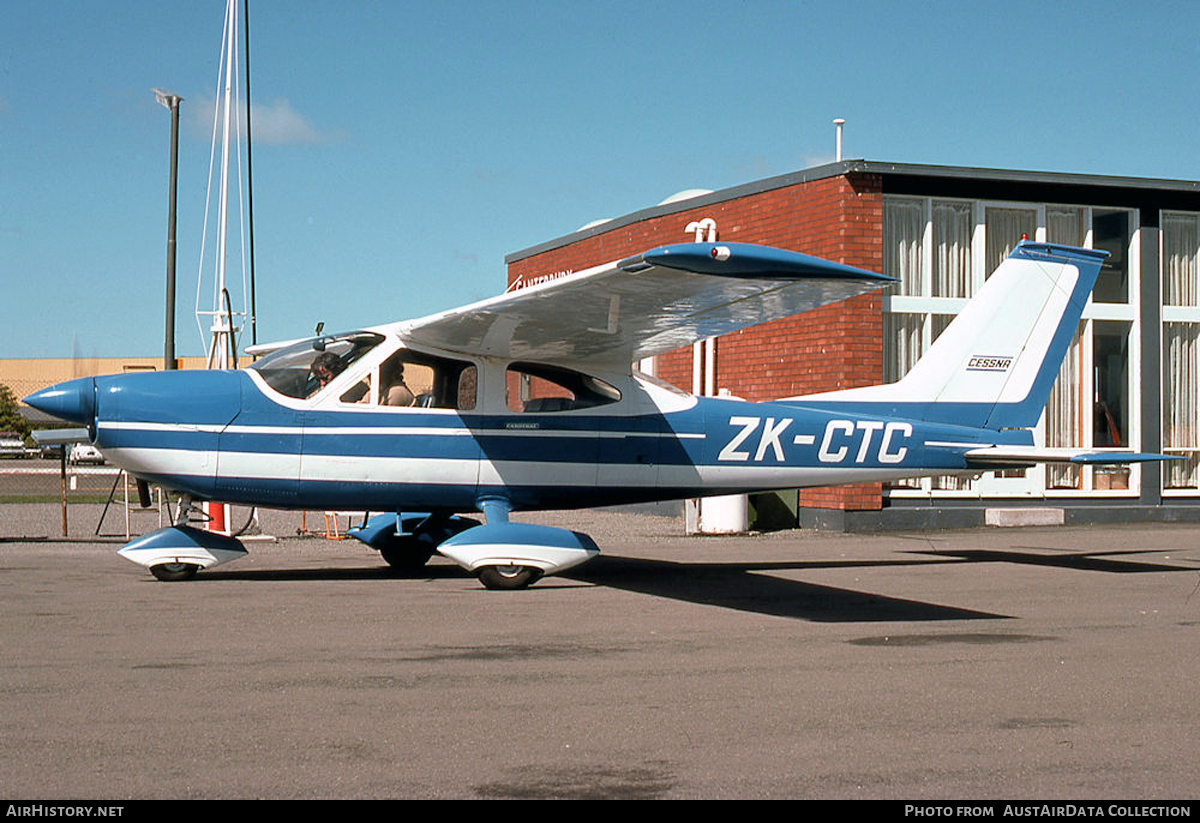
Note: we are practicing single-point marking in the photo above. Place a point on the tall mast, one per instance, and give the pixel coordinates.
(250, 175)
(224, 321)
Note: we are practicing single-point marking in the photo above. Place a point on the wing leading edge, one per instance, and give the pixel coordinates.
(644, 305)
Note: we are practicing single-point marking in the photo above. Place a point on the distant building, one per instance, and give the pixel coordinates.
(1130, 380)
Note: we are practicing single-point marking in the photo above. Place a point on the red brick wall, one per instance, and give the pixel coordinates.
(834, 347)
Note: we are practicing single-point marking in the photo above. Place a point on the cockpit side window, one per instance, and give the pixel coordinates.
(534, 387)
(304, 369)
(409, 378)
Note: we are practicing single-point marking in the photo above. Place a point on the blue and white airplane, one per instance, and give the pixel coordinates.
(529, 401)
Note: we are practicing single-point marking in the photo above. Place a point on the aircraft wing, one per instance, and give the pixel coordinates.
(644, 305)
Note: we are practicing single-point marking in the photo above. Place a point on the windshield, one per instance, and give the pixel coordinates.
(303, 369)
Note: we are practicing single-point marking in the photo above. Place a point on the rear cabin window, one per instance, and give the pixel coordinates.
(535, 388)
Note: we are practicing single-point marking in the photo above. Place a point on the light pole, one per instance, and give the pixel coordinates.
(171, 101)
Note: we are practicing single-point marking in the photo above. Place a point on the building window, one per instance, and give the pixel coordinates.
(1065, 426)
(1110, 232)
(1181, 349)
(1091, 404)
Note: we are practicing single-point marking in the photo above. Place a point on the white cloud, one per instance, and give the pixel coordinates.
(279, 123)
(276, 123)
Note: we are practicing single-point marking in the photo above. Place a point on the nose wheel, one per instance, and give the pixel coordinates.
(176, 553)
(174, 572)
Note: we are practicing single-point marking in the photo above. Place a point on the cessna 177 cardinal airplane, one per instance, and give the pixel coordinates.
(529, 401)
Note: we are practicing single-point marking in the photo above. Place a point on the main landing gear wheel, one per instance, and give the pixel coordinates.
(508, 577)
(173, 572)
(408, 554)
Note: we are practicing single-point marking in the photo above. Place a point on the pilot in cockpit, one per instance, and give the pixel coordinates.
(325, 367)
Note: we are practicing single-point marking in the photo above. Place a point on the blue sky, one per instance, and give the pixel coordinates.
(402, 149)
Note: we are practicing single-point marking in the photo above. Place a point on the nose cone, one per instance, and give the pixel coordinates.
(73, 401)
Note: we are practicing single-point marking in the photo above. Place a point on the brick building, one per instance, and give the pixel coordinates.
(1129, 381)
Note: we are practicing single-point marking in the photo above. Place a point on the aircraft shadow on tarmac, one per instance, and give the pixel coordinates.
(1096, 561)
(751, 586)
(748, 587)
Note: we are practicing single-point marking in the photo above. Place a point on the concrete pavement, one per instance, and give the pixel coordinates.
(1038, 663)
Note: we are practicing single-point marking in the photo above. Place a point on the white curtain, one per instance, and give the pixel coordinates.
(1064, 225)
(903, 231)
(952, 229)
(905, 337)
(1180, 408)
(1181, 247)
(1064, 415)
(1004, 228)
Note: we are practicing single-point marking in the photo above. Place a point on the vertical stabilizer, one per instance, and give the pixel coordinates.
(996, 362)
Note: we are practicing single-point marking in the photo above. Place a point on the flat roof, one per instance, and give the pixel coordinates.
(911, 178)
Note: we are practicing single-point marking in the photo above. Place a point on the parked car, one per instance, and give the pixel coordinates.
(86, 453)
(12, 444)
(50, 451)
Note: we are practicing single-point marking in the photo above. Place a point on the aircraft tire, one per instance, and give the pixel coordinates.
(508, 577)
(407, 555)
(173, 572)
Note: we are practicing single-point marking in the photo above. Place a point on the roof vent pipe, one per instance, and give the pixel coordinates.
(837, 153)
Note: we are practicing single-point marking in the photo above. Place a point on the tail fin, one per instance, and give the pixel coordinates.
(995, 364)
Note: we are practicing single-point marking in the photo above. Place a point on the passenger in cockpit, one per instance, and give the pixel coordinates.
(395, 392)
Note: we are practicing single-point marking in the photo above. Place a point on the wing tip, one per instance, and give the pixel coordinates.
(746, 260)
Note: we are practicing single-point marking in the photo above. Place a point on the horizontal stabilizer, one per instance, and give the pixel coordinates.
(993, 456)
